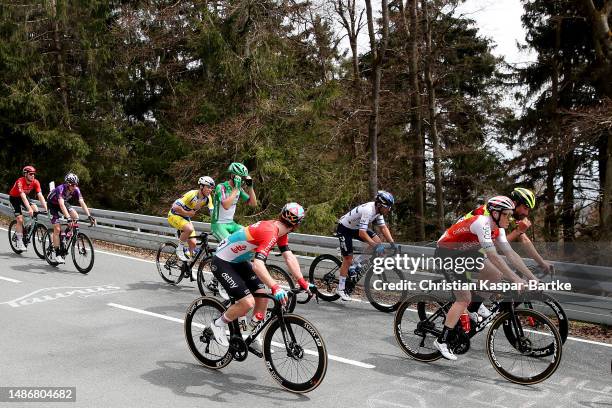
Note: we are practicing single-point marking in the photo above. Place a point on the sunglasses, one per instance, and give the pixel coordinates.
(30, 174)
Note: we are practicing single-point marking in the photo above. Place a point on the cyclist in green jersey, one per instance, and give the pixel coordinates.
(227, 194)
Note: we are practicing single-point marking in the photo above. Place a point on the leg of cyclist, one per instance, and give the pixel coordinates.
(188, 236)
(16, 203)
(181, 223)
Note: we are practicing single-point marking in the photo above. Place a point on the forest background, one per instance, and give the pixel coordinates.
(140, 98)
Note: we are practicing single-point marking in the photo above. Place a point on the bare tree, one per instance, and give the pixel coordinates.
(433, 128)
(378, 53)
(351, 20)
(418, 160)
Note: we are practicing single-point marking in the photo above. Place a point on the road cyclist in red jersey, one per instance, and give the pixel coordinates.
(19, 199)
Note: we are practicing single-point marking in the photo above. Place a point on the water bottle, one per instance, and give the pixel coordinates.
(465, 322)
(196, 251)
(68, 233)
(62, 240)
(255, 320)
(352, 272)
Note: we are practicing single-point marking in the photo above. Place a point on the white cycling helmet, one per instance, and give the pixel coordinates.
(71, 178)
(206, 181)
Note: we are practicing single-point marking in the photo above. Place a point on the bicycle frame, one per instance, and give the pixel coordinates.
(31, 228)
(204, 249)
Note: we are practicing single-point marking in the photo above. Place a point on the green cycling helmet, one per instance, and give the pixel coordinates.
(238, 169)
(523, 196)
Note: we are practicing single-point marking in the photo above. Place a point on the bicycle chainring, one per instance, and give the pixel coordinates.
(238, 348)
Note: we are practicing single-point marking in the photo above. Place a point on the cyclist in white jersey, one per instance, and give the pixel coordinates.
(354, 225)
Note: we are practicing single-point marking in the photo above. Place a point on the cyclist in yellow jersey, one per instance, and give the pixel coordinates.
(184, 208)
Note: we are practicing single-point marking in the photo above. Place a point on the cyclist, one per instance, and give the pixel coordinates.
(354, 225)
(18, 197)
(226, 197)
(524, 200)
(59, 204)
(184, 208)
(476, 237)
(239, 264)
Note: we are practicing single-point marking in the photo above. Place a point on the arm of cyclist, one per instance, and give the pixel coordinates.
(533, 253)
(183, 212)
(502, 266)
(295, 270)
(516, 260)
(86, 209)
(229, 200)
(41, 198)
(387, 234)
(252, 200)
(259, 267)
(63, 209)
(26, 203)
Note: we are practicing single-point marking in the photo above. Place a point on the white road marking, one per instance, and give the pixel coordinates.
(174, 319)
(10, 279)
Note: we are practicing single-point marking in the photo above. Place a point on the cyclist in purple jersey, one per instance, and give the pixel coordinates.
(59, 204)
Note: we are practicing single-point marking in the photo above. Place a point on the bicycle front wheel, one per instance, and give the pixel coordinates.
(201, 313)
(525, 358)
(302, 365)
(324, 273)
(82, 253)
(38, 240)
(385, 291)
(168, 265)
(12, 235)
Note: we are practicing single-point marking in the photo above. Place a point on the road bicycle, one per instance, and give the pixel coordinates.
(172, 270)
(300, 367)
(72, 241)
(325, 273)
(523, 345)
(33, 232)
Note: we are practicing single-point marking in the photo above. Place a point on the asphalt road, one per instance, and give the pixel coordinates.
(116, 335)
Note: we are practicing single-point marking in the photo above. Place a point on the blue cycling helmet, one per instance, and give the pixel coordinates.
(384, 198)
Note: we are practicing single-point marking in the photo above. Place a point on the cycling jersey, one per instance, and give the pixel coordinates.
(64, 192)
(192, 202)
(22, 186)
(220, 214)
(361, 216)
(471, 234)
(256, 240)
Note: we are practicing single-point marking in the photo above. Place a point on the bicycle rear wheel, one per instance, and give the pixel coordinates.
(82, 253)
(205, 278)
(418, 322)
(302, 365)
(519, 358)
(324, 273)
(200, 314)
(170, 268)
(12, 235)
(38, 240)
(284, 280)
(382, 290)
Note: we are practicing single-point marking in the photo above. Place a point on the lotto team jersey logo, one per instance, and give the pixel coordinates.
(238, 248)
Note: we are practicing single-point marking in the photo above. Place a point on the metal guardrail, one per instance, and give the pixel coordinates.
(594, 304)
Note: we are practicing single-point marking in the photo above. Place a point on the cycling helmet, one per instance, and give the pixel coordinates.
(238, 169)
(523, 196)
(384, 198)
(29, 169)
(71, 178)
(292, 214)
(500, 203)
(206, 181)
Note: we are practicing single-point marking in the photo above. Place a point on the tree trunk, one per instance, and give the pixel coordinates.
(378, 52)
(433, 128)
(415, 126)
(550, 217)
(605, 228)
(568, 215)
(63, 85)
